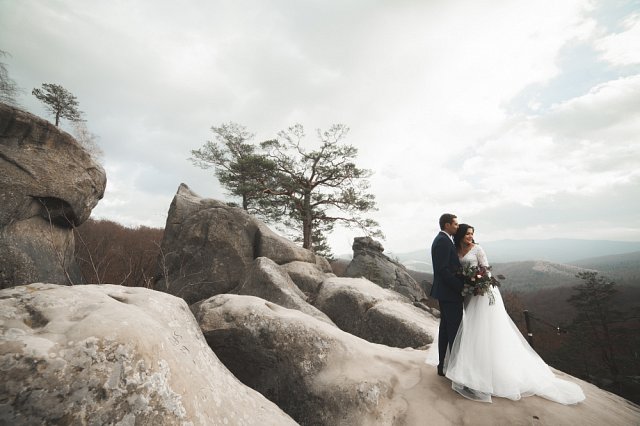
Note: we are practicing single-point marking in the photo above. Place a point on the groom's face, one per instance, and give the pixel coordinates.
(451, 228)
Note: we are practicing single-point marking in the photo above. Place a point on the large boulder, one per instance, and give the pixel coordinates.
(302, 364)
(269, 281)
(321, 375)
(114, 355)
(307, 276)
(364, 309)
(279, 249)
(208, 247)
(33, 249)
(371, 263)
(48, 184)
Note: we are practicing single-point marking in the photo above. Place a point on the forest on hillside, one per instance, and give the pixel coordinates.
(622, 268)
(606, 353)
(598, 343)
(109, 253)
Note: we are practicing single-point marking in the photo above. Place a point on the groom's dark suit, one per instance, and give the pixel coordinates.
(447, 288)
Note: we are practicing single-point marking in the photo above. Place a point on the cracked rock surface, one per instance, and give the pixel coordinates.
(106, 354)
(48, 184)
(378, 315)
(321, 375)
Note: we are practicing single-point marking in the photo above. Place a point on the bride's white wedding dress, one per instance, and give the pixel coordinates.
(490, 357)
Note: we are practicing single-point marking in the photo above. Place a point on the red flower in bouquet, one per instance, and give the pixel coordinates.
(478, 281)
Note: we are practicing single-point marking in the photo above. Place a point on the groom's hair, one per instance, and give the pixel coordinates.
(446, 218)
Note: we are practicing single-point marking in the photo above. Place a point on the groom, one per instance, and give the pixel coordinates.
(447, 287)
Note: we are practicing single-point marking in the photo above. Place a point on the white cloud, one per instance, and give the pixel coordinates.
(622, 48)
(610, 107)
(584, 145)
(125, 203)
(423, 86)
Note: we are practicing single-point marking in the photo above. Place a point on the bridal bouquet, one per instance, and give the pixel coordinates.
(478, 281)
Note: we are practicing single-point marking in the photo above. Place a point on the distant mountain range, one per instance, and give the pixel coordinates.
(531, 266)
(537, 275)
(622, 268)
(533, 276)
(566, 251)
(556, 250)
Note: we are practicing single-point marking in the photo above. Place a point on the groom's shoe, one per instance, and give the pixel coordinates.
(440, 371)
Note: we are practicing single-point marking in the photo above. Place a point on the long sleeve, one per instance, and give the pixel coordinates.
(482, 257)
(442, 261)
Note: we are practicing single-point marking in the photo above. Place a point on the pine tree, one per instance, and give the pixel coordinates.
(59, 102)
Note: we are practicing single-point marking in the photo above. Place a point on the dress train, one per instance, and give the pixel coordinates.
(490, 357)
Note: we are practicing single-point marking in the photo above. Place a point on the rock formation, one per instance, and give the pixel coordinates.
(48, 184)
(369, 262)
(209, 247)
(308, 277)
(269, 281)
(362, 308)
(105, 354)
(321, 375)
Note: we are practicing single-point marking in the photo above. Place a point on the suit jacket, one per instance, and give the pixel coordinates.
(447, 286)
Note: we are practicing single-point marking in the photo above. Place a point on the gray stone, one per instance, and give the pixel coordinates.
(105, 354)
(279, 249)
(43, 166)
(271, 282)
(378, 315)
(303, 365)
(321, 375)
(208, 247)
(369, 262)
(307, 276)
(32, 249)
(46, 174)
(324, 265)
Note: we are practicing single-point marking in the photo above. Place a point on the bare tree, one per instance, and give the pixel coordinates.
(9, 90)
(111, 253)
(87, 139)
(596, 315)
(62, 250)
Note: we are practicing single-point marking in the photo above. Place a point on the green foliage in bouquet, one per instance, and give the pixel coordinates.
(478, 281)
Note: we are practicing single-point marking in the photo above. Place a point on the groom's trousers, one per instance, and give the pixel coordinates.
(450, 319)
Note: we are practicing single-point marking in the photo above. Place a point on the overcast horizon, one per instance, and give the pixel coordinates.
(520, 117)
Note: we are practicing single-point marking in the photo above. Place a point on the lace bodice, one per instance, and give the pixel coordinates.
(475, 257)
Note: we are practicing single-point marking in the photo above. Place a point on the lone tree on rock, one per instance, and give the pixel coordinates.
(315, 189)
(59, 102)
(238, 166)
(307, 190)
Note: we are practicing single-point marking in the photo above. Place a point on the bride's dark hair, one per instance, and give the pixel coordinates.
(462, 231)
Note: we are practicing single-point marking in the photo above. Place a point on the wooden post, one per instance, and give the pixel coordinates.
(528, 323)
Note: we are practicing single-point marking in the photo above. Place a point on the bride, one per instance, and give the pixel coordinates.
(489, 356)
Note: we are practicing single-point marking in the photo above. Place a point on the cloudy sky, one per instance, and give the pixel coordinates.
(522, 117)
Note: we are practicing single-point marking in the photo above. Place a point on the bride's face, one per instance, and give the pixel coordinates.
(468, 237)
